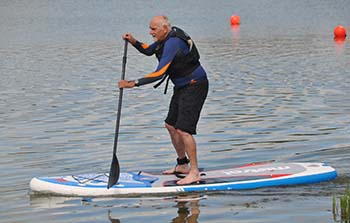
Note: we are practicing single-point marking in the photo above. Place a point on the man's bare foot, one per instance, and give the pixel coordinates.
(184, 169)
(192, 177)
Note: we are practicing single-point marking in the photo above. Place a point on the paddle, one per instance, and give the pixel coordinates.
(115, 169)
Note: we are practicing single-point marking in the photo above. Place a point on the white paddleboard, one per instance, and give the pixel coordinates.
(249, 176)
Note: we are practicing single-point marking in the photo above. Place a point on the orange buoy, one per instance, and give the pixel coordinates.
(339, 32)
(235, 20)
(339, 40)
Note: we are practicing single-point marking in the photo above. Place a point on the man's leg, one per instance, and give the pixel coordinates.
(179, 146)
(191, 150)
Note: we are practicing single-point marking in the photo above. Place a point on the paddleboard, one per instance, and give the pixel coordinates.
(248, 176)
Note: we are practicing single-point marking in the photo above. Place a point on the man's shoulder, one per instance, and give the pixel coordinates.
(175, 41)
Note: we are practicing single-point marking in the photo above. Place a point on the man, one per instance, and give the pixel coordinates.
(178, 60)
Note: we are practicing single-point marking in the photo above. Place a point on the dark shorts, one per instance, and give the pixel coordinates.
(186, 105)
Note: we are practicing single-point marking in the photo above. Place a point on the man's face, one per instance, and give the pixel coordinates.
(157, 30)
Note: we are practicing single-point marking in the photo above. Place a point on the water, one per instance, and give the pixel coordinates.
(279, 90)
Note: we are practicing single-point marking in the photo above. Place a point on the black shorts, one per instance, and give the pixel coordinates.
(186, 105)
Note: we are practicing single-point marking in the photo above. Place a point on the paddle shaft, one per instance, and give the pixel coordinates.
(120, 100)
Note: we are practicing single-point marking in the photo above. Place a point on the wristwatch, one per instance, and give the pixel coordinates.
(136, 83)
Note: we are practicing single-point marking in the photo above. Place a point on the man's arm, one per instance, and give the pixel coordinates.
(171, 47)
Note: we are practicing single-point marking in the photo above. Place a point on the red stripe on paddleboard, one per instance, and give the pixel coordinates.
(254, 164)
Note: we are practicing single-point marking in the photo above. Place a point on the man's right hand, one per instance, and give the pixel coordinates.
(129, 38)
(126, 84)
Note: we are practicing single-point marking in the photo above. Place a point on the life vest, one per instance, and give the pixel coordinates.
(182, 64)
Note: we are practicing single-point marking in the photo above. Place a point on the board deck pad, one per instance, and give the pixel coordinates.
(215, 180)
(248, 176)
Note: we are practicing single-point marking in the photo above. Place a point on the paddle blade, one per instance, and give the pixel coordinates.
(114, 172)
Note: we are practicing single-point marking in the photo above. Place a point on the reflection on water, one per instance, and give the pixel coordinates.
(340, 45)
(231, 206)
(185, 208)
(188, 212)
(113, 220)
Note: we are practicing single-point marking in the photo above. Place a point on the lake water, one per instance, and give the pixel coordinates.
(279, 90)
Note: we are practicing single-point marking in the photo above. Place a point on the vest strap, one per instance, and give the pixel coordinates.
(166, 77)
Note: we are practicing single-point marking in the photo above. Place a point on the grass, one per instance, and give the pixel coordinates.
(341, 209)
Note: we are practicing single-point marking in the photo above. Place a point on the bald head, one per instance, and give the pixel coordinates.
(161, 20)
(159, 27)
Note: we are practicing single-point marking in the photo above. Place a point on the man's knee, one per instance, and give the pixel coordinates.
(182, 133)
(173, 130)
